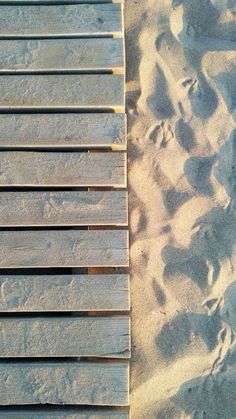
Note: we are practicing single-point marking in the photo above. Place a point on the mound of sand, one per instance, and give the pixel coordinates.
(181, 102)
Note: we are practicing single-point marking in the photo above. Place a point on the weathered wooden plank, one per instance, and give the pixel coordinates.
(68, 248)
(61, 54)
(79, 413)
(59, 2)
(19, 209)
(105, 337)
(63, 130)
(57, 20)
(64, 383)
(64, 293)
(19, 168)
(62, 91)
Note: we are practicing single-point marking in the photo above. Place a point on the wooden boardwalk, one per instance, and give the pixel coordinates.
(64, 286)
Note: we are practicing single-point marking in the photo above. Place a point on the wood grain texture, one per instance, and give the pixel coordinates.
(61, 54)
(19, 168)
(46, 293)
(62, 91)
(61, 1)
(15, 2)
(19, 209)
(79, 413)
(63, 130)
(63, 248)
(56, 20)
(105, 337)
(77, 383)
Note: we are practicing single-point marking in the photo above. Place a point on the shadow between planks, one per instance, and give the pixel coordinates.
(69, 413)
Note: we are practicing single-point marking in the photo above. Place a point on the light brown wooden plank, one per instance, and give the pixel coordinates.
(19, 209)
(64, 383)
(15, 2)
(63, 130)
(57, 20)
(104, 337)
(19, 168)
(65, 293)
(63, 248)
(79, 413)
(61, 55)
(62, 91)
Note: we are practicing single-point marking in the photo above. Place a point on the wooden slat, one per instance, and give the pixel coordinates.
(61, 54)
(64, 293)
(57, 20)
(105, 337)
(64, 383)
(15, 2)
(63, 208)
(47, 169)
(63, 130)
(62, 91)
(63, 248)
(79, 413)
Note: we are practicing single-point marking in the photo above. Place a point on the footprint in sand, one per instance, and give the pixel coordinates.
(213, 395)
(198, 172)
(202, 27)
(225, 170)
(176, 335)
(184, 134)
(173, 199)
(221, 69)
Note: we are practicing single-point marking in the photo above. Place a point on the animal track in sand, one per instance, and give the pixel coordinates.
(184, 174)
(219, 383)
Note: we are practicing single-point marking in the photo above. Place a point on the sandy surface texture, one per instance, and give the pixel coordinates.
(181, 102)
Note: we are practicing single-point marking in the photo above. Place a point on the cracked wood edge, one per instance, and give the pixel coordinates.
(63, 130)
(75, 383)
(50, 169)
(64, 293)
(64, 248)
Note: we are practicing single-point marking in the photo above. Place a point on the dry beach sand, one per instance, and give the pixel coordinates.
(181, 103)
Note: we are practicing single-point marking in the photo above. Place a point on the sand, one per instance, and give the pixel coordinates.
(181, 104)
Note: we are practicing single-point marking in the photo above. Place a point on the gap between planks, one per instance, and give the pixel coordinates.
(69, 413)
